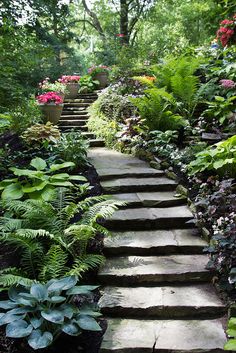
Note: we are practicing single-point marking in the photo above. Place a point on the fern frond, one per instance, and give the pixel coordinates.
(101, 210)
(14, 276)
(54, 264)
(85, 263)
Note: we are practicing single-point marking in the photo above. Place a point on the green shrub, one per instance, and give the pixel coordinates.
(220, 158)
(40, 313)
(41, 134)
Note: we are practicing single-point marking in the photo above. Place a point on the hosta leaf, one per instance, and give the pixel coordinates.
(88, 311)
(56, 167)
(230, 345)
(35, 322)
(77, 177)
(7, 304)
(29, 189)
(12, 192)
(9, 317)
(81, 290)
(61, 176)
(22, 310)
(71, 329)
(48, 193)
(38, 163)
(61, 183)
(39, 339)
(39, 292)
(18, 329)
(88, 323)
(63, 284)
(68, 310)
(57, 299)
(53, 315)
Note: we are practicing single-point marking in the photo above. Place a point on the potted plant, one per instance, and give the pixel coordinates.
(100, 73)
(58, 87)
(72, 85)
(51, 104)
(88, 84)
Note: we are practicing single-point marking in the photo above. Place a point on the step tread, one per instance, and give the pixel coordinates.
(127, 172)
(156, 241)
(170, 336)
(155, 269)
(165, 301)
(151, 199)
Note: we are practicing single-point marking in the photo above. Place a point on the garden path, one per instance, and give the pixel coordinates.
(157, 292)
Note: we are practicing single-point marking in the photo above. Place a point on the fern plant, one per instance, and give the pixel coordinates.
(51, 245)
(156, 107)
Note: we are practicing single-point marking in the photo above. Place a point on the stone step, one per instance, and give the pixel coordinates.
(88, 135)
(75, 127)
(122, 185)
(73, 111)
(150, 218)
(96, 143)
(74, 104)
(80, 100)
(151, 199)
(111, 173)
(154, 242)
(163, 336)
(136, 270)
(76, 117)
(169, 302)
(74, 122)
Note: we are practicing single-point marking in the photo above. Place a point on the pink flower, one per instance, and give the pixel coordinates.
(227, 83)
(69, 79)
(49, 97)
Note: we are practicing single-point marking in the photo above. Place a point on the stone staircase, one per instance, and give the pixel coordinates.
(75, 116)
(157, 292)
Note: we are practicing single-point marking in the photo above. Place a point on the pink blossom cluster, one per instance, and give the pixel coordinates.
(69, 79)
(44, 82)
(226, 31)
(49, 97)
(227, 83)
(99, 68)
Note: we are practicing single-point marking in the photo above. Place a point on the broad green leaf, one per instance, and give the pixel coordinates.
(53, 315)
(57, 299)
(7, 304)
(77, 177)
(23, 172)
(60, 176)
(39, 339)
(231, 332)
(39, 292)
(29, 189)
(14, 292)
(36, 322)
(63, 284)
(61, 183)
(48, 193)
(71, 329)
(12, 192)
(22, 310)
(81, 290)
(38, 163)
(68, 310)
(88, 311)
(88, 323)
(56, 167)
(230, 345)
(18, 329)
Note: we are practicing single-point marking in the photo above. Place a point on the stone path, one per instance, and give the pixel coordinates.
(75, 116)
(157, 292)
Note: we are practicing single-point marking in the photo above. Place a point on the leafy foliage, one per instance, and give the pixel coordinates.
(42, 312)
(37, 183)
(40, 134)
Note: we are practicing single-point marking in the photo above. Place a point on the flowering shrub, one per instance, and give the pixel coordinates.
(93, 70)
(227, 83)
(47, 86)
(69, 79)
(227, 31)
(50, 97)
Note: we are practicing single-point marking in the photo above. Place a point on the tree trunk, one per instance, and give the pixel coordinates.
(124, 22)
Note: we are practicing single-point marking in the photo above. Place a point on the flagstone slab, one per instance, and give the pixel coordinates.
(153, 242)
(108, 173)
(138, 184)
(163, 336)
(151, 199)
(163, 302)
(150, 218)
(129, 270)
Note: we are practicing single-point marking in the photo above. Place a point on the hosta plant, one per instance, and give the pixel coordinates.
(41, 134)
(231, 344)
(220, 158)
(39, 182)
(40, 313)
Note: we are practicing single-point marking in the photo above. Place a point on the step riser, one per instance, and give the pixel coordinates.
(162, 312)
(147, 224)
(167, 250)
(76, 105)
(138, 188)
(74, 112)
(82, 101)
(96, 143)
(159, 279)
(159, 204)
(74, 117)
(68, 128)
(73, 122)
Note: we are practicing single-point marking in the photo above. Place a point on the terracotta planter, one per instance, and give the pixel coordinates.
(102, 77)
(72, 89)
(51, 112)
